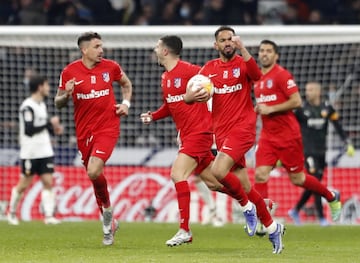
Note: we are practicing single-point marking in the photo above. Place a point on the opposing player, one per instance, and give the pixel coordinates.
(314, 117)
(276, 96)
(36, 151)
(88, 83)
(193, 123)
(234, 120)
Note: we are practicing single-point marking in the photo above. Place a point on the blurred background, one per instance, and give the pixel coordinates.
(319, 40)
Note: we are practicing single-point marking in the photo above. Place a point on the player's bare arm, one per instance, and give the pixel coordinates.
(293, 102)
(62, 96)
(122, 109)
(241, 47)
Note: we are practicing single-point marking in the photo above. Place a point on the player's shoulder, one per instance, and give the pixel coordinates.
(73, 65)
(109, 62)
(187, 64)
(281, 71)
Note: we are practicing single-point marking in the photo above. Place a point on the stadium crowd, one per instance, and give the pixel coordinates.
(178, 12)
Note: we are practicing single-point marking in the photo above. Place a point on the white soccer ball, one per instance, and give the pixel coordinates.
(200, 81)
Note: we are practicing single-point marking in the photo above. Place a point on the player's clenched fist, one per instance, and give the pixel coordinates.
(69, 86)
(146, 117)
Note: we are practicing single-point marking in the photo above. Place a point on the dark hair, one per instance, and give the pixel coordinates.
(35, 82)
(223, 28)
(269, 42)
(87, 36)
(174, 43)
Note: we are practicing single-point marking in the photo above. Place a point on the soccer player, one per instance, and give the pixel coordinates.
(88, 82)
(234, 120)
(314, 117)
(193, 123)
(36, 151)
(276, 96)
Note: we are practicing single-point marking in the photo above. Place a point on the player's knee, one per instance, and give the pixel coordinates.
(260, 176)
(93, 173)
(217, 172)
(297, 178)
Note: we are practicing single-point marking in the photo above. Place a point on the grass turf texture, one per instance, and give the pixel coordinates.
(145, 242)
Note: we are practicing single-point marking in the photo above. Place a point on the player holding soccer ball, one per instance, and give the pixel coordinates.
(276, 96)
(234, 119)
(88, 83)
(194, 126)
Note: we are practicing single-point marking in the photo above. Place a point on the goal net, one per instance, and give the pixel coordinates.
(138, 170)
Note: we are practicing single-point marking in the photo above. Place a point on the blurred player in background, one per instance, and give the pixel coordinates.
(88, 83)
(213, 216)
(36, 151)
(314, 117)
(234, 121)
(276, 96)
(194, 126)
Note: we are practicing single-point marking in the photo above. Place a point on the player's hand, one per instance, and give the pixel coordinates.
(57, 126)
(238, 42)
(350, 150)
(121, 110)
(69, 86)
(146, 117)
(196, 95)
(263, 109)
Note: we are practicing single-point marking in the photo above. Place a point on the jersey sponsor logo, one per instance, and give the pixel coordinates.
(291, 84)
(177, 83)
(106, 76)
(228, 89)
(236, 72)
(78, 82)
(94, 94)
(266, 98)
(316, 123)
(176, 98)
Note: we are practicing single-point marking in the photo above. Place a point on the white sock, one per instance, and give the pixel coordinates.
(14, 200)
(246, 207)
(48, 202)
(272, 228)
(206, 195)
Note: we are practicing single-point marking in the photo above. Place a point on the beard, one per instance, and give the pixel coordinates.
(229, 54)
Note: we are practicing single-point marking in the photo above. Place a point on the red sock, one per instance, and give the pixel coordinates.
(313, 184)
(262, 189)
(233, 188)
(101, 192)
(261, 209)
(183, 197)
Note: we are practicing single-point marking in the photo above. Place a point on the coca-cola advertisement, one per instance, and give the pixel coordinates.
(147, 193)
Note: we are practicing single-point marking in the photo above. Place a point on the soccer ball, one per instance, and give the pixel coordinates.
(201, 81)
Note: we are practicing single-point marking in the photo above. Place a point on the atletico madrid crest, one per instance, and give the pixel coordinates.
(106, 76)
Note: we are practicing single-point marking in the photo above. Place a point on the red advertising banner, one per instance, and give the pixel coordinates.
(133, 189)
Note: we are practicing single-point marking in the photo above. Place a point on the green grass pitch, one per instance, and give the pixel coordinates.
(145, 242)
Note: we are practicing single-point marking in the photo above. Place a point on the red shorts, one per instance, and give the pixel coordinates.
(198, 147)
(290, 153)
(236, 144)
(100, 145)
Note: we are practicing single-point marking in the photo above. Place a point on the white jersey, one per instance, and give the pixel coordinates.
(39, 144)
